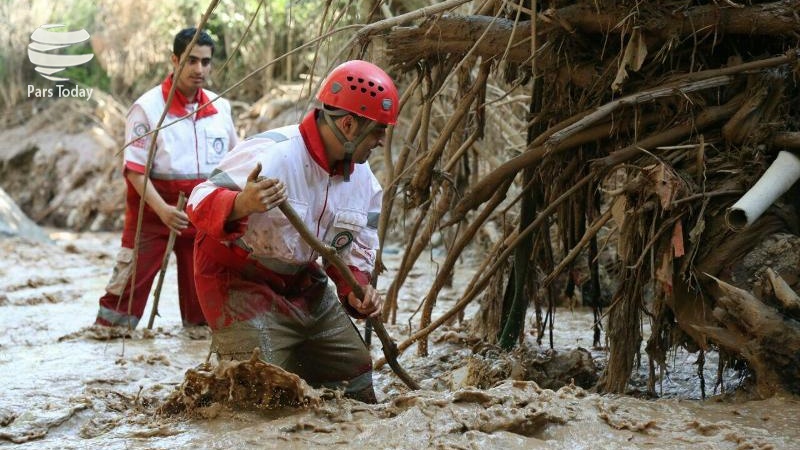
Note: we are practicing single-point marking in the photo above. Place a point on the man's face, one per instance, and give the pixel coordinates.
(194, 73)
(374, 139)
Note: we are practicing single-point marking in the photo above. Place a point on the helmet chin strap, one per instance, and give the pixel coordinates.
(349, 146)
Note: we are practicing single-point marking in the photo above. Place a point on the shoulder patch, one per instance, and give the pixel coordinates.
(271, 135)
(140, 129)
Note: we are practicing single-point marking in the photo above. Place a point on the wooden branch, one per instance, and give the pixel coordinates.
(480, 191)
(329, 254)
(787, 139)
(164, 263)
(692, 82)
(481, 279)
(407, 262)
(428, 11)
(766, 19)
(421, 182)
(590, 233)
(710, 116)
(453, 255)
(418, 241)
(762, 336)
(457, 34)
(680, 88)
(787, 298)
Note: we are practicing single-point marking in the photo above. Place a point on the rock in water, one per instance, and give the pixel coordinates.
(14, 222)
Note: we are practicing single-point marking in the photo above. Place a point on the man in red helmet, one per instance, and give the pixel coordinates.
(258, 282)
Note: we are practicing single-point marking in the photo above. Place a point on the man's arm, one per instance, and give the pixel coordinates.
(136, 128)
(175, 219)
(361, 260)
(220, 205)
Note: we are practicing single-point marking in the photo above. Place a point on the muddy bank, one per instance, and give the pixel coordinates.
(67, 385)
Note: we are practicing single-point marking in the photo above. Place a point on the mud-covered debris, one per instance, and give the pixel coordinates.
(154, 359)
(47, 297)
(37, 282)
(195, 333)
(622, 419)
(240, 385)
(519, 407)
(103, 333)
(549, 369)
(99, 425)
(6, 417)
(34, 424)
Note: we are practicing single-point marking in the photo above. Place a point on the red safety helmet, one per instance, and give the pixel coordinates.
(361, 88)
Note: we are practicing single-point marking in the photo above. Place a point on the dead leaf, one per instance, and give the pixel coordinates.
(664, 273)
(666, 184)
(618, 210)
(633, 58)
(677, 239)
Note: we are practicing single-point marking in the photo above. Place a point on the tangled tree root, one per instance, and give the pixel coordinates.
(241, 385)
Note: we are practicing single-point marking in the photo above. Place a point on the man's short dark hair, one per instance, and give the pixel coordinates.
(185, 36)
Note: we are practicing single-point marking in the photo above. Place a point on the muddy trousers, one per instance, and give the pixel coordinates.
(114, 304)
(320, 344)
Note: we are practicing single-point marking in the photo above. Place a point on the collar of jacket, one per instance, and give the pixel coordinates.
(313, 141)
(179, 101)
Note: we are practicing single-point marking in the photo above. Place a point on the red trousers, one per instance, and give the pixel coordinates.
(114, 308)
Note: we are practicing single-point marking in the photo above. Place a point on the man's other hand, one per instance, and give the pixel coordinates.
(370, 305)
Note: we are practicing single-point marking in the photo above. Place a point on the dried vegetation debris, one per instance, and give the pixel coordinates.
(549, 369)
(646, 120)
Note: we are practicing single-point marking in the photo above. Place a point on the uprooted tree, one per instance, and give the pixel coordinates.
(645, 121)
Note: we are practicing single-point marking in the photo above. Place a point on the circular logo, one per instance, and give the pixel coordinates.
(342, 240)
(219, 146)
(140, 129)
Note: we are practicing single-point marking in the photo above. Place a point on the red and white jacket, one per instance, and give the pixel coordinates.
(186, 151)
(342, 214)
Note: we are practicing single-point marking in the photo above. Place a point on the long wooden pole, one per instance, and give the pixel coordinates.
(389, 347)
(164, 264)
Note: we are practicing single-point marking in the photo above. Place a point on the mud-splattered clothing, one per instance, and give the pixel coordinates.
(258, 270)
(186, 153)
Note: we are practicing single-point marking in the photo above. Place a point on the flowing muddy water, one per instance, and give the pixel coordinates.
(66, 386)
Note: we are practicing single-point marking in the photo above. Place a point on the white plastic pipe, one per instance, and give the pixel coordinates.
(779, 177)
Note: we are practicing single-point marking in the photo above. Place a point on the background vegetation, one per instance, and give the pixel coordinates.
(132, 41)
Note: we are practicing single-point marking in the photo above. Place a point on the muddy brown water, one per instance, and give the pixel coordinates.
(64, 386)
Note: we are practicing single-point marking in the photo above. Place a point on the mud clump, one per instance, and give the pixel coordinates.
(6, 417)
(519, 407)
(103, 333)
(549, 369)
(237, 385)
